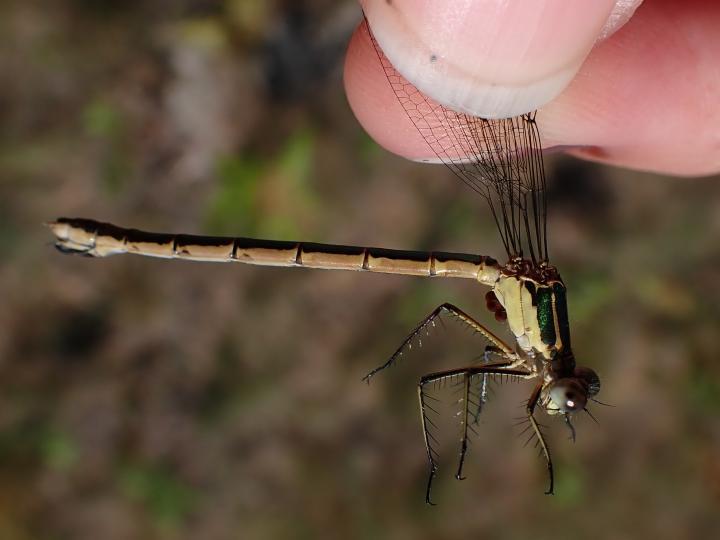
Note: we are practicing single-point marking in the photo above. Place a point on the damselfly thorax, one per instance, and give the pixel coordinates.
(527, 292)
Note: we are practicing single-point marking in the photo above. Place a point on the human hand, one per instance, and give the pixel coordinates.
(647, 96)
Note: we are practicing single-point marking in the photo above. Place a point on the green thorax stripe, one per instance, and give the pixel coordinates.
(552, 314)
(561, 311)
(546, 321)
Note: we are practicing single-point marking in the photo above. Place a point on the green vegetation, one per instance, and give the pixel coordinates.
(162, 493)
(265, 197)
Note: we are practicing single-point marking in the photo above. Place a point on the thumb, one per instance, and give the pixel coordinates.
(492, 58)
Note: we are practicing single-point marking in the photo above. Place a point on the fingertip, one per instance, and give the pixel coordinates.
(488, 58)
(374, 103)
(639, 101)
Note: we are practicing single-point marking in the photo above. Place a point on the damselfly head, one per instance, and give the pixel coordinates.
(570, 394)
(589, 378)
(566, 395)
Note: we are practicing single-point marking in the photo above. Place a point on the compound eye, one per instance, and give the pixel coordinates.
(589, 378)
(568, 395)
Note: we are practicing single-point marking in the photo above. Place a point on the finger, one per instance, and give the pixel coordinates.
(646, 98)
(489, 58)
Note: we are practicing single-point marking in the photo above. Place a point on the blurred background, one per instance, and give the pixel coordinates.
(147, 399)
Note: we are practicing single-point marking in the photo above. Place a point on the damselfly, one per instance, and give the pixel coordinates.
(501, 160)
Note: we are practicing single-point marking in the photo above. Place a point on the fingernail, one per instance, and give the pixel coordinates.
(489, 58)
(620, 14)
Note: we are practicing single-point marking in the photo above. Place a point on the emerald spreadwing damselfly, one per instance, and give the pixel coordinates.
(501, 160)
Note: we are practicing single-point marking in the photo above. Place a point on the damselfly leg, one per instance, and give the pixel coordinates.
(530, 410)
(482, 386)
(474, 381)
(467, 374)
(496, 344)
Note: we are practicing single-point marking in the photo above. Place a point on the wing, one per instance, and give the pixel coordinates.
(500, 159)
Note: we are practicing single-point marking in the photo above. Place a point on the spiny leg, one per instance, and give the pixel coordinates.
(483, 382)
(501, 368)
(464, 423)
(427, 437)
(530, 409)
(495, 341)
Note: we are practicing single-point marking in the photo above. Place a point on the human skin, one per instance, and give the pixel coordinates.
(647, 96)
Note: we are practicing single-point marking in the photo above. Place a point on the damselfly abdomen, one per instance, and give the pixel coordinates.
(502, 161)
